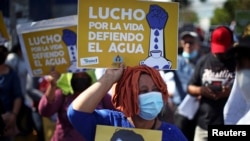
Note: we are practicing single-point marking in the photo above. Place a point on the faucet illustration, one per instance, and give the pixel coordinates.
(157, 19)
(69, 38)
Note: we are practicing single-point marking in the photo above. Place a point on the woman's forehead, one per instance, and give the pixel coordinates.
(145, 79)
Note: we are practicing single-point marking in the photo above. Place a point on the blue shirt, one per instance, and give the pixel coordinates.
(10, 89)
(85, 123)
(185, 71)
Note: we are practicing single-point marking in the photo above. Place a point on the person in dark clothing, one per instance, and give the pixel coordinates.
(210, 82)
(2, 125)
(35, 94)
(10, 96)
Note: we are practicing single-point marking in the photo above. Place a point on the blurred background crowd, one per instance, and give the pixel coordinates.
(197, 20)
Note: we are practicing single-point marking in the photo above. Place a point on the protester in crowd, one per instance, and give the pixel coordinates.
(190, 42)
(139, 94)
(62, 90)
(186, 62)
(15, 60)
(35, 94)
(236, 110)
(210, 82)
(10, 96)
(177, 79)
(48, 123)
(44, 83)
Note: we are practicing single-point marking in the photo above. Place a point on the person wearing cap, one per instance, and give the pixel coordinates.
(237, 108)
(190, 43)
(177, 81)
(211, 82)
(186, 62)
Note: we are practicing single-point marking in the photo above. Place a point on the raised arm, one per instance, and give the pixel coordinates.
(88, 100)
(50, 92)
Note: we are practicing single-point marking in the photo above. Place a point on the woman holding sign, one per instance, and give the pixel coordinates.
(61, 91)
(140, 94)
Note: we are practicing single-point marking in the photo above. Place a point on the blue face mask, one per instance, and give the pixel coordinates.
(150, 105)
(190, 55)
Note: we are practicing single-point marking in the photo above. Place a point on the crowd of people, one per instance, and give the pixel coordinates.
(209, 87)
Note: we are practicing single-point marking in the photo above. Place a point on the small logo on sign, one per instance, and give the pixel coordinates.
(89, 61)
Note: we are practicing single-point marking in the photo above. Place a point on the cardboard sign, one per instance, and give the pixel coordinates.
(129, 31)
(111, 133)
(50, 44)
(4, 35)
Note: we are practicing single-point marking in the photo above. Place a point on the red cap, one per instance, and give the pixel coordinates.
(221, 40)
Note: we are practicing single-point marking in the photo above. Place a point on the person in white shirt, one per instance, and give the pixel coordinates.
(237, 108)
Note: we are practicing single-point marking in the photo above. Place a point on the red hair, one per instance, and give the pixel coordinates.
(125, 97)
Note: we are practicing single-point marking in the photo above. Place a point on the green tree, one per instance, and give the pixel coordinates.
(226, 14)
(221, 17)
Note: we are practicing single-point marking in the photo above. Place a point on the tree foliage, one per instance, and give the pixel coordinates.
(226, 14)
(222, 17)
